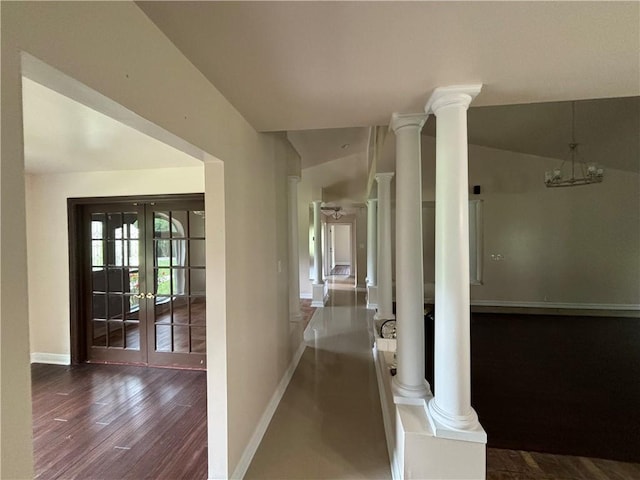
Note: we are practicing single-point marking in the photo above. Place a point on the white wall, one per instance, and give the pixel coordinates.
(48, 240)
(112, 48)
(574, 246)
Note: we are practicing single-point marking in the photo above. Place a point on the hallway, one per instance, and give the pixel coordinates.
(329, 422)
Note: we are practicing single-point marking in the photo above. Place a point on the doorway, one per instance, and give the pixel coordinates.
(340, 249)
(340, 262)
(139, 267)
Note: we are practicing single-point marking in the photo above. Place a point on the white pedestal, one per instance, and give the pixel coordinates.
(420, 454)
(320, 295)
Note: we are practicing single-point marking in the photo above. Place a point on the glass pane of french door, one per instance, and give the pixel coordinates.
(177, 268)
(115, 330)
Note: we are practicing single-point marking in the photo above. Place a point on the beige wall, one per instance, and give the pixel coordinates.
(15, 404)
(47, 237)
(114, 49)
(257, 299)
(574, 246)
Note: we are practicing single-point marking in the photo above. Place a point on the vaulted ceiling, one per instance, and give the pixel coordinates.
(313, 65)
(326, 71)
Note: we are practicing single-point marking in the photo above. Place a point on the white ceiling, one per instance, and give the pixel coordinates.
(315, 65)
(326, 71)
(607, 130)
(62, 136)
(320, 146)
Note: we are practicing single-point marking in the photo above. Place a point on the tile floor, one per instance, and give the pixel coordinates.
(329, 424)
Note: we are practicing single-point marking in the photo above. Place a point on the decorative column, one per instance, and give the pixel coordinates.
(372, 252)
(385, 294)
(451, 407)
(319, 287)
(294, 257)
(409, 381)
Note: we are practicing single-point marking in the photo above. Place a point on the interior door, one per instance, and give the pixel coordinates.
(115, 310)
(176, 332)
(145, 283)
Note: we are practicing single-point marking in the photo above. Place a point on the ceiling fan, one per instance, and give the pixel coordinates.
(333, 212)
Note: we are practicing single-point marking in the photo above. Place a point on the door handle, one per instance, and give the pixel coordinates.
(150, 295)
(140, 295)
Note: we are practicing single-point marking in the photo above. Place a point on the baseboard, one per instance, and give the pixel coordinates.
(561, 307)
(263, 424)
(306, 296)
(51, 358)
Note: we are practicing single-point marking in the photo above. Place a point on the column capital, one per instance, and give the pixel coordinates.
(293, 178)
(371, 200)
(384, 177)
(319, 202)
(401, 120)
(455, 95)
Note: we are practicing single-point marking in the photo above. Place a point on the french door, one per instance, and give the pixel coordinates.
(144, 282)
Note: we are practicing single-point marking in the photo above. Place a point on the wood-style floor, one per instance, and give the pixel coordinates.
(117, 422)
(520, 465)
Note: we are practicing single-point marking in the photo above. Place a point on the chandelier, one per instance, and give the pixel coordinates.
(580, 173)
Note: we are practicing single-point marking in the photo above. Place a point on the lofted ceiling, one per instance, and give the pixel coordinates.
(326, 71)
(314, 65)
(607, 130)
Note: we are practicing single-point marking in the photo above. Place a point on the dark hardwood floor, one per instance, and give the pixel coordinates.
(521, 465)
(116, 422)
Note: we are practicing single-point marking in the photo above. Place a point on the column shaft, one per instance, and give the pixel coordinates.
(452, 403)
(409, 381)
(294, 258)
(385, 286)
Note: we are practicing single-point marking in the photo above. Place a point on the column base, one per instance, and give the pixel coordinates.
(372, 297)
(465, 428)
(320, 295)
(410, 394)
